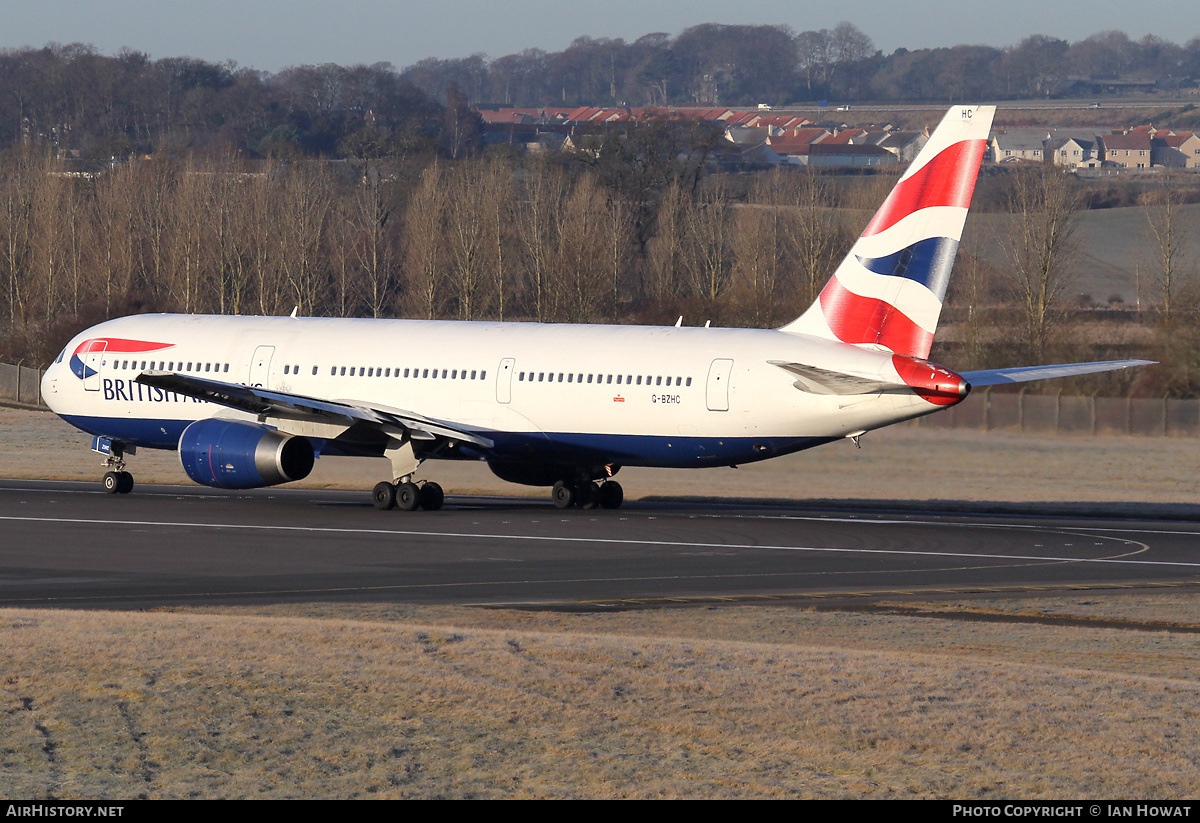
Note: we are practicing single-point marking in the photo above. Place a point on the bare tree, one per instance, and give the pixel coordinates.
(303, 215)
(114, 217)
(1171, 231)
(580, 276)
(817, 238)
(18, 183)
(499, 211)
(424, 255)
(708, 255)
(538, 222)
(664, 258)
(1041, 247)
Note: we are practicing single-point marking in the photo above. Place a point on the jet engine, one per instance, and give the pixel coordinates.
(233, 454)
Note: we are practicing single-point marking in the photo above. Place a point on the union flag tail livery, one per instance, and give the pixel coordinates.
(254, 401)
(888, 292)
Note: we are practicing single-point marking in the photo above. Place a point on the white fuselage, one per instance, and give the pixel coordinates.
(631, 395)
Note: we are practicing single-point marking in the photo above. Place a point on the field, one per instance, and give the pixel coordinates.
(969, 699)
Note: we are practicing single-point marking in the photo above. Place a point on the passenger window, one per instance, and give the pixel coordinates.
(570, 378)
(658, 381)
(472, 374)
(483, 375)
(689, 381)
(314, 370)
(343, 374)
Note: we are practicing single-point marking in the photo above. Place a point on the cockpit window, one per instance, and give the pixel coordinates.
(61, 355)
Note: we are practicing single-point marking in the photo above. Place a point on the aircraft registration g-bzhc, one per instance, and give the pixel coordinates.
(251, 401)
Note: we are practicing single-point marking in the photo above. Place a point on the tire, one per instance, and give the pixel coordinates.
(587, 495)
(383, 496)
(563, 495)
(112, 482)
(125, 483)
(407, 496)
(431, 497)
(611, 495)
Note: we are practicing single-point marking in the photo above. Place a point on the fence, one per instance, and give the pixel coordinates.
(1066, 414)
(20, 384)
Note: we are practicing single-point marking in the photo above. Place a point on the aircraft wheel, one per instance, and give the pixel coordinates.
(587, 495)
(112, 482)
(125, 483)
(611, 495)
(384, 496)
(407, 496)
(431, 497)
(563, 494)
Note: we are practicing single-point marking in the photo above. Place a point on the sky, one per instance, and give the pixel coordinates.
(271, 34)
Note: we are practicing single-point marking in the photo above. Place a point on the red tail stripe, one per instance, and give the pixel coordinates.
(946, 180)
(856, 319)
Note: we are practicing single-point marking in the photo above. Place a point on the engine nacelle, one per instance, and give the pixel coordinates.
(233, 454)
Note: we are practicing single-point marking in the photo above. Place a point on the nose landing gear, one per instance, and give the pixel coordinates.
(116, 479)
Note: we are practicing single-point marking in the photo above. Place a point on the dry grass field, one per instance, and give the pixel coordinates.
(730, 702)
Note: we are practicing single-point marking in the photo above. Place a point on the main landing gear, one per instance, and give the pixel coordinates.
(587, 494)
(408, 496)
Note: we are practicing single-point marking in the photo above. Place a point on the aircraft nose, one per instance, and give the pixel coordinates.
(50, 384)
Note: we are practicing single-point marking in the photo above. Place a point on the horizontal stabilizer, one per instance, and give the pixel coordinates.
(823, 381)
(998, 377)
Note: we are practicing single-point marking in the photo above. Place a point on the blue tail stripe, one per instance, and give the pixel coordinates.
(927, 262)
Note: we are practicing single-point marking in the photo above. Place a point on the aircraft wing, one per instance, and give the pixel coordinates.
(298, 407)
(996, 377)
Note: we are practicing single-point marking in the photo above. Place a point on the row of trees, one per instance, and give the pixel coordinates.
(102, 107)
(78, 101)
(494, 238)
(744, 65)
(613, 236)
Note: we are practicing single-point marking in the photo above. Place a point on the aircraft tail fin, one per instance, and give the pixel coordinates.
(888, 292)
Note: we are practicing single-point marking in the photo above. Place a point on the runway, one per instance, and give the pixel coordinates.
(70, 545)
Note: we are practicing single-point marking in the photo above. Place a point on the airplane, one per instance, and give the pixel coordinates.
(253, 401)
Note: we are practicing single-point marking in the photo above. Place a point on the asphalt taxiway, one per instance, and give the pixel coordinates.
(70, 545)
